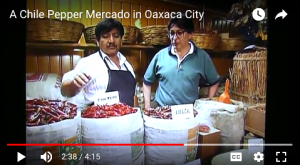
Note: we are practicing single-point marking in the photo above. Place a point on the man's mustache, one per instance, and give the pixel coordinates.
(111, 45)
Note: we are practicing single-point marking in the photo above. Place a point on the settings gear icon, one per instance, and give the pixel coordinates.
(258, 156)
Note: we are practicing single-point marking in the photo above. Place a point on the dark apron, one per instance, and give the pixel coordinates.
(121, 81)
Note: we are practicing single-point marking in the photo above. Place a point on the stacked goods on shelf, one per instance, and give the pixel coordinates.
(53, 30)
(206, 39)
(154, 35)
(113, 124)
(228, 118)
(230, 44)
(52, 121)
(161, 128)
(249, 76)
(130, 34)
(89, 34)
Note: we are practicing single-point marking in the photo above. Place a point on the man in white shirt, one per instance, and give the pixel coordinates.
(104, 71)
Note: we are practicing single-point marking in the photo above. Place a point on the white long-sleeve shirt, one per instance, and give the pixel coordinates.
(95, 67)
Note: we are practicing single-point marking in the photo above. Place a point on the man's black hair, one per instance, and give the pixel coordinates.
(106, 25)
(183, 23)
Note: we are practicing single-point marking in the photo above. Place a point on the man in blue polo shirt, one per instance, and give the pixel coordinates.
(179, 68)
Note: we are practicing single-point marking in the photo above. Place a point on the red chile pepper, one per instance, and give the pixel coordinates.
(106, 111)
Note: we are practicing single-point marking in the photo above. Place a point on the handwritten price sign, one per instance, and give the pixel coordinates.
(184, 111)
(107, 98)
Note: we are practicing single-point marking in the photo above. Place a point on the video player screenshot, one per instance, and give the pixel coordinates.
(161, 82)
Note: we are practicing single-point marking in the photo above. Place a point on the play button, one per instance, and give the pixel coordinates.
(20, 157)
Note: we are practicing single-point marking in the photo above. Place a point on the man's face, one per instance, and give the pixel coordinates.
(111, 42)
(179, 37)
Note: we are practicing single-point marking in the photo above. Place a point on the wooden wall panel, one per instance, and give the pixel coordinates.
(51, 61)
(43, 61)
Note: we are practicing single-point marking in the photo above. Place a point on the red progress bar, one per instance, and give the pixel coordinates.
(95, 144)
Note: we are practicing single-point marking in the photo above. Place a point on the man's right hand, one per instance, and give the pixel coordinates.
(147, 106)
(81, 80)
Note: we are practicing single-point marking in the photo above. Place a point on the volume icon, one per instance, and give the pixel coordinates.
(47, 156)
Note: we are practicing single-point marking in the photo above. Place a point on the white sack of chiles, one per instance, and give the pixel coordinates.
(228, 118)
(113, 124)
(161, 129)
(52, 121)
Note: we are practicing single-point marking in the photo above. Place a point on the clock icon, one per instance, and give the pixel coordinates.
(258, 14)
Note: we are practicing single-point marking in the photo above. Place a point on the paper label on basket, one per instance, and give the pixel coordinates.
(184, 111)
(255, 145)
(107, 98)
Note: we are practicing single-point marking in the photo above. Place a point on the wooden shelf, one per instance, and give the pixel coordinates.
(72, 46)
(82, 46)
(60, 46)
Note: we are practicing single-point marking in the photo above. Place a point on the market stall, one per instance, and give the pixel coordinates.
(52, 118)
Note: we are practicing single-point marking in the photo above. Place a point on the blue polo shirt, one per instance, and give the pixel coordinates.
(178, 81)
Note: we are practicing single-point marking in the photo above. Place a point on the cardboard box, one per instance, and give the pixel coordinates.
(255, 120)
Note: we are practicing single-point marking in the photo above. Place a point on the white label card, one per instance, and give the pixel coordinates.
(107, 98)
(255, 145)
(184, 111)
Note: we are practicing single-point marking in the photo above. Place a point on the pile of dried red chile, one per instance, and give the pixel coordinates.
(42, 112)
(107, 111)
